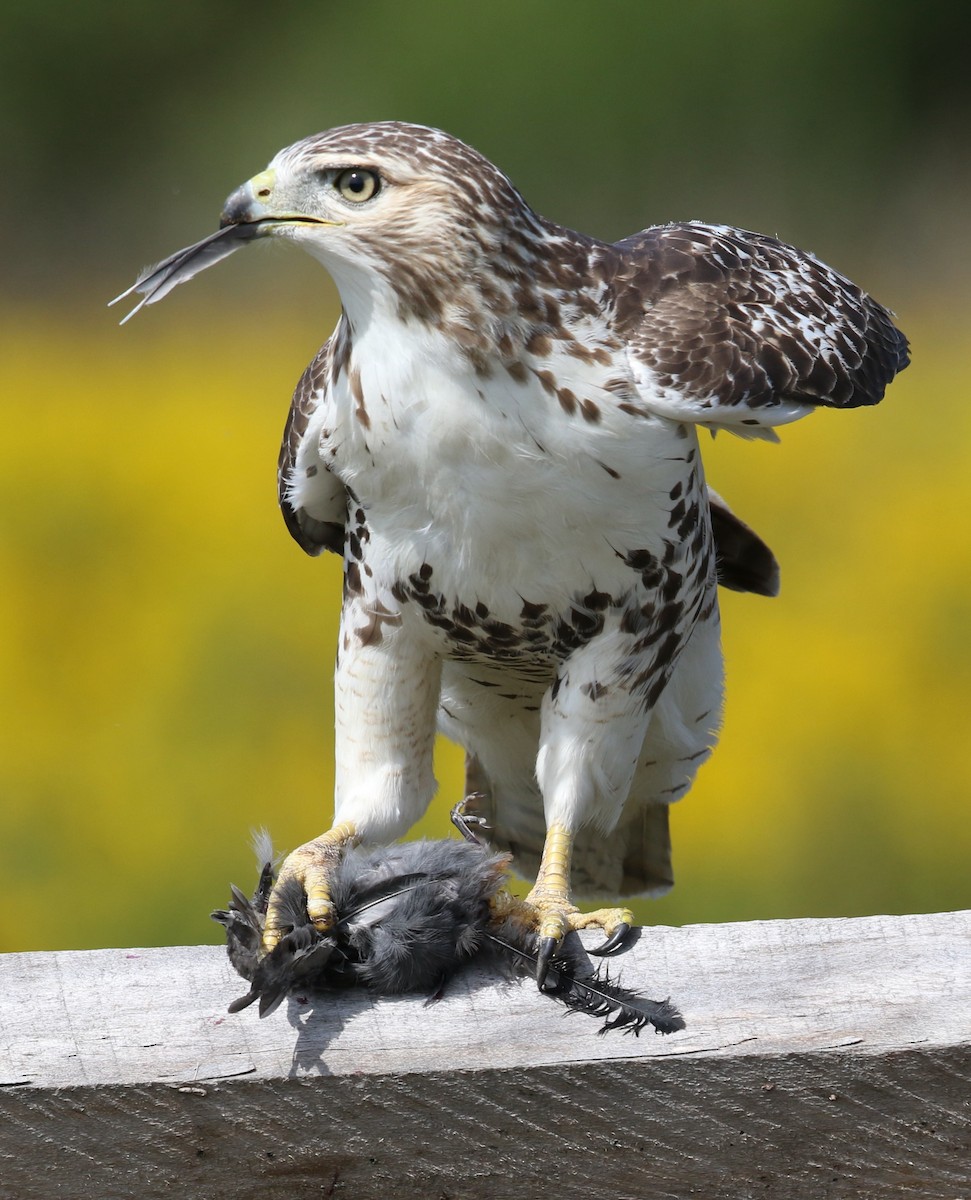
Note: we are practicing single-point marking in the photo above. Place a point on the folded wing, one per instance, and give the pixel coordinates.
(727, 328)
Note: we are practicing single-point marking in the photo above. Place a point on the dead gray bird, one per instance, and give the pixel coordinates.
(407, 917)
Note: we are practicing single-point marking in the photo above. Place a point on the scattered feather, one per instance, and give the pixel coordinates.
(571, 981)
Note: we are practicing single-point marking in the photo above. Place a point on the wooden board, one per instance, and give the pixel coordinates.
(822, 1059)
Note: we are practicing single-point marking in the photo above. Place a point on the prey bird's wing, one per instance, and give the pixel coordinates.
(156, 282)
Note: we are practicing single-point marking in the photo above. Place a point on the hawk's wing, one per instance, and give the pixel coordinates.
(313, 502)
(744, 563)
(735, 329)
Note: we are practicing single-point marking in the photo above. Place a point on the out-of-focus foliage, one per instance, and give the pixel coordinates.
(165, 664)
(123, 126)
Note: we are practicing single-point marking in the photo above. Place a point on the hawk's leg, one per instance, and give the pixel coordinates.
(386, 697)
(553, 911)
(311, 866)
(593, 725)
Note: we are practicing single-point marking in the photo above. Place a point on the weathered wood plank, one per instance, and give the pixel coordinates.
(822, 1058)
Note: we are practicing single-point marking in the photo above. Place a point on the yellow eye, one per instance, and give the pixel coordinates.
(357, 185)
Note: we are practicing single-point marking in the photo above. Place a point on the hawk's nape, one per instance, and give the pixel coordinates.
(500, 438)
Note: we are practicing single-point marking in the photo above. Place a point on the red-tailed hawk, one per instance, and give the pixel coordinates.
(501, 439)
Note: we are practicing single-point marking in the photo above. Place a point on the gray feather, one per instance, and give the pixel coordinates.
(156, 282)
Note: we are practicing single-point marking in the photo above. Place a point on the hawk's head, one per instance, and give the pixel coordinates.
(392, 204)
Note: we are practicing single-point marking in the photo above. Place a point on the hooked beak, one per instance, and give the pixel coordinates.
(252, 203)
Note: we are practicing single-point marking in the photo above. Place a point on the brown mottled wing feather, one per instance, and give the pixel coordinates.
(743, 561)
(313, 532)
(726, 325)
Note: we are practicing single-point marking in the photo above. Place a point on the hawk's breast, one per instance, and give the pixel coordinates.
(509, 525)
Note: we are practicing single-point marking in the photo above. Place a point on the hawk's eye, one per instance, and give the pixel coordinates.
(357, 184)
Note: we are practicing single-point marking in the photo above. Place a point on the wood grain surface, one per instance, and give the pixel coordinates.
(824, 1059)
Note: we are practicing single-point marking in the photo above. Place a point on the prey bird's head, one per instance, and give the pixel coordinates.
(392, 210)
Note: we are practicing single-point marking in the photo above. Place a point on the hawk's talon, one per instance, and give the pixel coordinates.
(320, 910)
(466, 822)
(614, 943)
(544, 955)
(310, 868)
(549, 918)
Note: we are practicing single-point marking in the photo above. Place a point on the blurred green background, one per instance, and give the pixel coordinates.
(165, 666)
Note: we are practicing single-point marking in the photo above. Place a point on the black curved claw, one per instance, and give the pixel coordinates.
(544, 954)
(466, 823)
(614, 943)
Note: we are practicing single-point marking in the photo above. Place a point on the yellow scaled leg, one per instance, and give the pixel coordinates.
(553, 911)
(311, 865)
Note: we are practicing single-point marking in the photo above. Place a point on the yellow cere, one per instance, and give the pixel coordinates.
(263, 183)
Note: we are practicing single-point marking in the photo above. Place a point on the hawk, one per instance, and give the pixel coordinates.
(500, 438)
